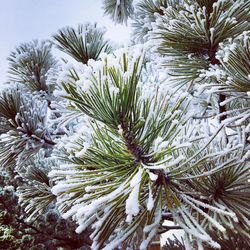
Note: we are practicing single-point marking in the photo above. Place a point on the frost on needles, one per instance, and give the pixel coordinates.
(143, 157)
(126, 142)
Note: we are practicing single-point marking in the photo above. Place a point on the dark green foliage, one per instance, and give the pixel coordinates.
(84, 43)
(37, 189)
(93, 103)
(48, 231)
(9, 107)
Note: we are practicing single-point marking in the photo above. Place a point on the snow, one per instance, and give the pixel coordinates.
(145, 243)
(150, 203)
(62, 187)
(132, 203)
(152, 176)
(82, 152)
(120, 130)
(88, 191)
(166, 166)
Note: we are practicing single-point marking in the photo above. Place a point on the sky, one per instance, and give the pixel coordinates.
(26, 20)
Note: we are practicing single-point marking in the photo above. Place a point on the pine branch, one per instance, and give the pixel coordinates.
(84, 43)
(118, 10)
(132, 146)
(125, 147)
(144, 17)
(26, 130)
(33, 65)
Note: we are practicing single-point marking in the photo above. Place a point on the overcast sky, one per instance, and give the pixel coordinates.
(25, 20)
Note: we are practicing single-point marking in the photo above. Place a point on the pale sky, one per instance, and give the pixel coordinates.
(26, 20)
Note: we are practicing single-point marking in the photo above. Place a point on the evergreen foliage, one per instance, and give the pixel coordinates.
(37, 186)
(84, 43)
(29, 219)
(23, 126)
(118, 10)
(115, 170)
(233, 51)
(139, 138)
(145, 16)
(33, 65)
(48, 231)
(189, 36)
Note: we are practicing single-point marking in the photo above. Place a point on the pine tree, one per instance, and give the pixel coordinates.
(142, 137)
(28, 131)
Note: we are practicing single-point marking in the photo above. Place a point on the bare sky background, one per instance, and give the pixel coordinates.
(26, 20)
